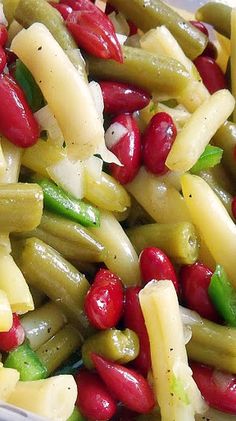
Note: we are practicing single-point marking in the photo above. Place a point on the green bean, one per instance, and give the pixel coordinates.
(46, 269)
(217, 15)
(137, 215)
(112, 344)
(69, 238)
(153, 13)
(179, 240)
(224, 196)
(9, 7)
(225, 138)
(31, 11)
(21, 207)
(59, 347)
(39, 297)
(41, 324)
(202, 354)
(149, 71)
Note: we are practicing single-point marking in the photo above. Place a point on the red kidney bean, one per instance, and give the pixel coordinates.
(154, 264)
(199, 25)
(17, 121)
(157, 141)
(110, 9)
(93, 30)
(133, 319)
(127, 150)
(195, 280)
(219, 396)
(122, 98)
(133, 29)
(129, 387)
(210, 49)
(104, 300)
(78, 5)
(211, 74)
(3, 59)
(14, 337)
(94, 400)
(233, 207)
(3, 35)
(63, 9)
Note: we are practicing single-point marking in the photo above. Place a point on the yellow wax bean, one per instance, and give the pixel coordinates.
(121, 257)
(168, 353)
(8, 380)
(12, 155)
(162, 201)
(14, 285)
(198, 131)
(212, 221)
(5, 314)
(233, 57)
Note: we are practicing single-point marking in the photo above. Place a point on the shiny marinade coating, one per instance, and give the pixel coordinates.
(146, 70)
(148, 14)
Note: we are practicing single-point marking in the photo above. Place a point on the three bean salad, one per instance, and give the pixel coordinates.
(118, 210)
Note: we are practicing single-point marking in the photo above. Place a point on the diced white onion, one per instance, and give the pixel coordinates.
(133, 41)
(187, 334)
(189, 317)
(68, 175)
(101, 4)
(3, 20)
(120, 23)
(114, 133)
(93, 167)
(121, 38)
(96, 93)
(47, 122)
(223, 380)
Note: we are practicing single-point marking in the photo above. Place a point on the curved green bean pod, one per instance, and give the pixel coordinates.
(31, 11)
(149, 71)
(46, 269)
(153, 13)
(69, 238)
(179, 240)
(217, 15)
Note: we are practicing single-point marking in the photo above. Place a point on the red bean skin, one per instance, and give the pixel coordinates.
(104, 300)
(157, 141)
(3, 35)
(133, 319)
(123, 98)
(233, 206)
(93, 30)
(211, 74)
(94, 400)
(127, 150)
(14, 337)
(210, 49)
(220, 397)
(17, 121)
(195, 280)
(3, 59)
(63, 9)
(199, 25)
(155, 264)
(126, 385)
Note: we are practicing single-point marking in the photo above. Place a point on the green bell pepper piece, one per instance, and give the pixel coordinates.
(61, 203)
(209, 158)
(31, 90)
(26, 361)
(223, 295)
